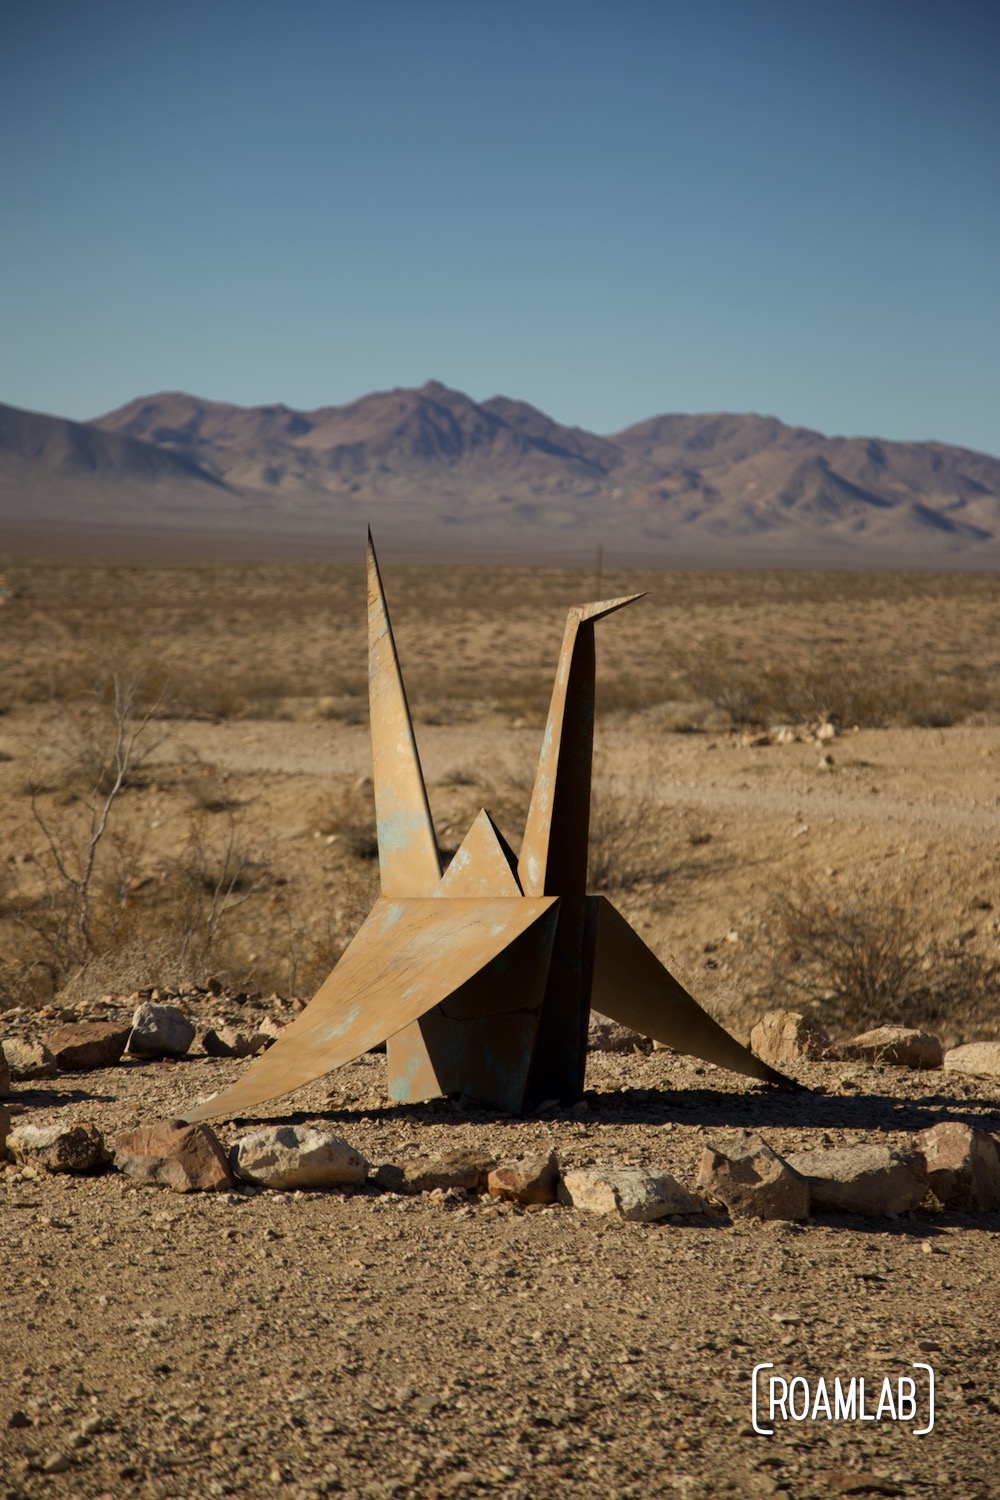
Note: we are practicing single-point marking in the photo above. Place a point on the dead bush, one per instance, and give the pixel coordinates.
(92, 910)
(738, 691)
(623, 825)
(831, 685)
(856, 958)
(86, 885)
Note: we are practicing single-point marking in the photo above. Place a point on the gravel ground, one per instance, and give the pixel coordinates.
(367, 1345)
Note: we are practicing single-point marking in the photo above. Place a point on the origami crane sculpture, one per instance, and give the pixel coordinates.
(481, 979)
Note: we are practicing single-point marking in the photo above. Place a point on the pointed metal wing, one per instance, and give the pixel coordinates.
(632, 986)
(408, 956)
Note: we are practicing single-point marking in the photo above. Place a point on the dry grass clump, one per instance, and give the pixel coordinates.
(96, 907)
(860, 954)
(868, 959)
(834, 686)
(624, 835)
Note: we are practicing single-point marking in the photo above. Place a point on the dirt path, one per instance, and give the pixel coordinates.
(921, 778)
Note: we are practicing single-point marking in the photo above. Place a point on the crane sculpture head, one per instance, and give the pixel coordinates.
(481, 978)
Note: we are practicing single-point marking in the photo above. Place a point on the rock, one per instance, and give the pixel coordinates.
(629, 1192)
(4, 1073)
(458, 1170)
(527, 1180)
(863, 1179)
(963, 1165)
(170, 1153)
(87, 1045)
(225, 1041)
(606, 1035)
(4, 1130)
(160, 1031)
(784, 1036)
(753, 1181)
(296, 1156)
(59, 1148)
(269, 1031)
(901, 1046)
(26, 1061)
(981, 1059)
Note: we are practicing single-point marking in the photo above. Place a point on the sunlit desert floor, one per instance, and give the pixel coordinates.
(772, 749)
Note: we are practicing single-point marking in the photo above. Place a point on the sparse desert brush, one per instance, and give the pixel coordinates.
(459, 776)
(83, 895)
(92, 895)
(246, 692)
(828, 684)
(858, 959)
(625, 832)
(859, 953)
(870, 958)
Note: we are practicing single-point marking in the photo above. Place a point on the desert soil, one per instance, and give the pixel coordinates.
(286, 1345)
(273, 1344)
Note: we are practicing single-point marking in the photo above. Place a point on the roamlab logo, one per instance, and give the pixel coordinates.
(905, 1399)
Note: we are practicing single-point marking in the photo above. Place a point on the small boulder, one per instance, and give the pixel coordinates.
(296, 1156)
(753, 1181)
(785, 1036)
(527, 1180)
(59, 1148)
(980, 1059)
(872, 1180)
(900, 1046)
(160, 1031)
(606, 1035)
(963, 1165)
(87, 1045)
(173, 1154)
(457, 1170)
(26, 1061)
(226, 1041)
(628, 1192)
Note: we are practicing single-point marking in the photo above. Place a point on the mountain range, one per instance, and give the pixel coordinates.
(444, 476)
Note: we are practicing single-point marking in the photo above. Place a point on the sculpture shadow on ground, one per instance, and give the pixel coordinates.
(762, 1109)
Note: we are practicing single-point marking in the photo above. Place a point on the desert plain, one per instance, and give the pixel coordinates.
(782, 758)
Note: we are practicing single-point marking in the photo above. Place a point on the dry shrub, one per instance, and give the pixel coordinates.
(84, 893)
(856, 958)
(207, 788)
(350, 820)
(311, 938)
(91, 906)
(867, 959)
(624, 823)
(237, 693)
(832, 686)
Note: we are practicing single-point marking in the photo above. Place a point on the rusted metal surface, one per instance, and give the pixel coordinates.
(409, 863)
(553, 857)
(408, 956)
(481, 980)
(632, 986)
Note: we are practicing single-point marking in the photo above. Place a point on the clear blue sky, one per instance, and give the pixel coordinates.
(609, 210)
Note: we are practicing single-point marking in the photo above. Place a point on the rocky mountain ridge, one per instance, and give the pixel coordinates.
(460, 477)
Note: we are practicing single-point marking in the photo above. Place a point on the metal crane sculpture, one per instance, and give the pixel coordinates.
(481, 978)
